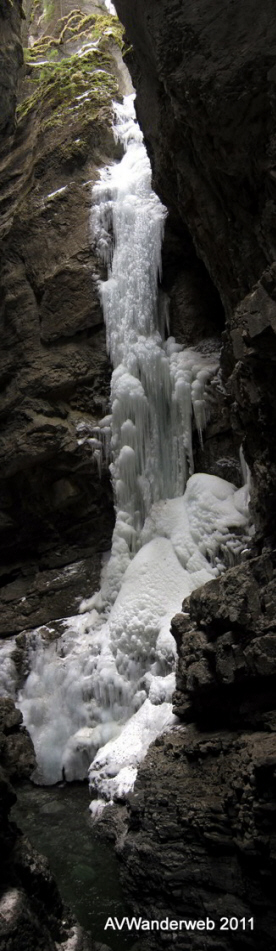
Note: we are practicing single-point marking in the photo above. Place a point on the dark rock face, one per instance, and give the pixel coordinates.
(37, 597)
(200, 836)
(205, 79)
(226, 671)
(11, 58)
(17, 752)
(205, 75)
(201, 825)
(252, 388)
(56, 508)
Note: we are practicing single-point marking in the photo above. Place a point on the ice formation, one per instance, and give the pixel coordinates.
(110, 7)
(157, 386)
(8, 674)
(102, 692)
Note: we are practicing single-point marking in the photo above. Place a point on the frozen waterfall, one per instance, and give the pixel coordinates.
(96, 697)
(110, 7)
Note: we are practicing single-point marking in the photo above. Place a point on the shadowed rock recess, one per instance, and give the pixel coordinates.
(200, 836)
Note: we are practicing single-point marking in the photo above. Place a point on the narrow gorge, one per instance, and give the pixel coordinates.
(138, 452)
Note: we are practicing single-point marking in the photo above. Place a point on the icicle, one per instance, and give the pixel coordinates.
(103, 690)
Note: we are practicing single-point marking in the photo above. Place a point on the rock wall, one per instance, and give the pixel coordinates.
(11, 58)
(205, 79)
(56, 508)
(200, 836)
(56, 514)
(199, 839)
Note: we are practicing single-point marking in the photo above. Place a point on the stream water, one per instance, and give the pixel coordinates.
(58, 823)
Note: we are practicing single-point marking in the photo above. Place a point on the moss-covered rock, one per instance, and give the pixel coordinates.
(84, 79)
(54, 370)
(70, 81)
(60, 86)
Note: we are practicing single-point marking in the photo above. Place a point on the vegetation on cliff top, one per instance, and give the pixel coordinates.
(84, 75)
(96, 28)
(59, 86)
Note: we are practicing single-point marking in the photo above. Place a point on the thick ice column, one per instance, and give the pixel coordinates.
(102, 691)
(157, 387)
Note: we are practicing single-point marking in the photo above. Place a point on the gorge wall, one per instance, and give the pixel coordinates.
(200, 835)
(56, 507)
(200, 832)
(205, 80)
(56, 512)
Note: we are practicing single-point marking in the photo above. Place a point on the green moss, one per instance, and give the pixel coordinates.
(126, 50)
(71, 95)
(58, 84)
(46, 48)
(96, 28)
(48, 9)
(95, 25)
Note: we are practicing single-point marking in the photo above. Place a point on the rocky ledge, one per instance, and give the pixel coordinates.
(201, 831)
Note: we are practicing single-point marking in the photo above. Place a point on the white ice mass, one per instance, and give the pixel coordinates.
(97, 696)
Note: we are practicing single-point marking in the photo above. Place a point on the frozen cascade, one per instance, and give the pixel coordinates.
(110, 7)
(157, 386)
(102, 692)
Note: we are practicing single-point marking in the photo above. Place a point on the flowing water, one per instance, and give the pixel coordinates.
(58, 823)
